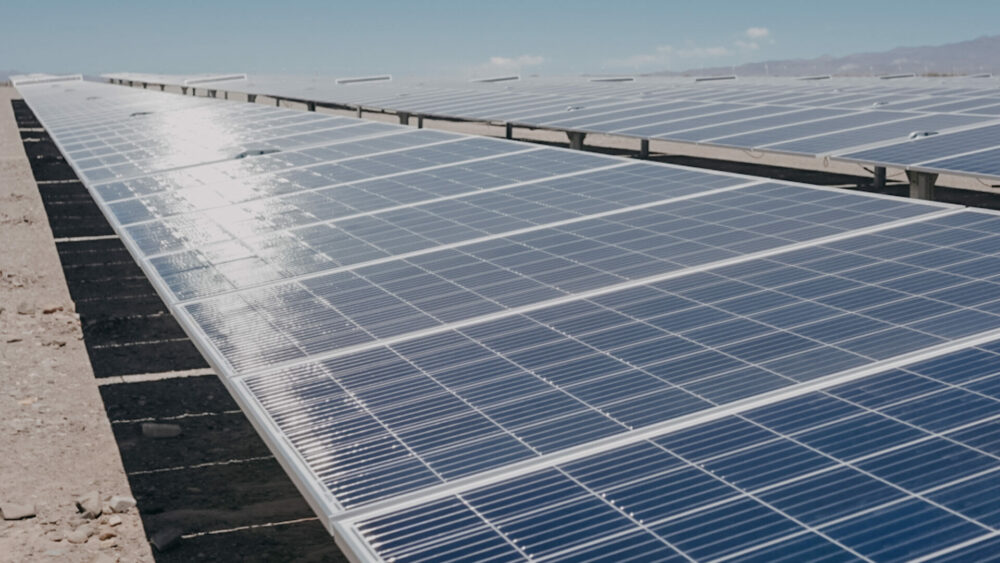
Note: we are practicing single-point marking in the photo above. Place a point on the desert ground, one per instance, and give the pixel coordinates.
(55, 438)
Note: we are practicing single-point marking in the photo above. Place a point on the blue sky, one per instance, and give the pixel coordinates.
(464, 38)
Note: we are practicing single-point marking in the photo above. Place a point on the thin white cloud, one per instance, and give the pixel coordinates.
(665, 55)
(504, 63)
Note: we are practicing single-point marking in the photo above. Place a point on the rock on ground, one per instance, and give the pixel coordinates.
(120, 504)
(90, 504)
(13, 511)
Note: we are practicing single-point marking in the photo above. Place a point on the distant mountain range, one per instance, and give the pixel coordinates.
(966, 57)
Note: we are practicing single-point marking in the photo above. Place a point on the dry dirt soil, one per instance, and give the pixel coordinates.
(56, 442)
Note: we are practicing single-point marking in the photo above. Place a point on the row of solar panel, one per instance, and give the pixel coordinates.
(807, 120)
(417, 308)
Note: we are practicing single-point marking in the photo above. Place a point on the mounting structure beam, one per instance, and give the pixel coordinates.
(510, 131)
(404, 118)
(576, 139)
(251, 98)
(921, 184)
(644, 148)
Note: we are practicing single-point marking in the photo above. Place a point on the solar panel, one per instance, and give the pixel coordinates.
(867, 476)
(821, 144)
(574, 118)
(729, 129)
(472, 348)
(797, 131)
(925, 149)
(986, 162)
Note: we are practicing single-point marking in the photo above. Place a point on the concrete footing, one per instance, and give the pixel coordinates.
(921, 184)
